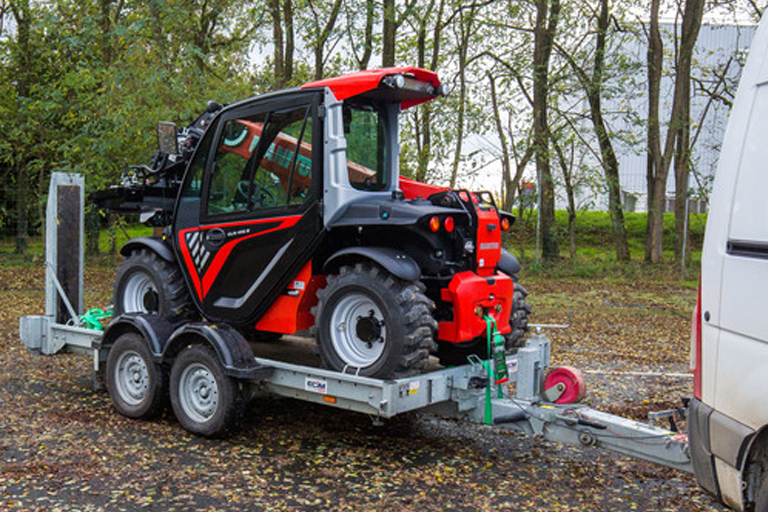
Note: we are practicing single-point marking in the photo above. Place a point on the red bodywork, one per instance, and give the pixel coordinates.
(292, 311)
(360, 82)
(468, 291)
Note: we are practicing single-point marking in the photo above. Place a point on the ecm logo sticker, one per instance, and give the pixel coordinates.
(316, 385)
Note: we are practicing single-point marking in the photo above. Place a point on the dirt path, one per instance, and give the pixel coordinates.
(63, 448)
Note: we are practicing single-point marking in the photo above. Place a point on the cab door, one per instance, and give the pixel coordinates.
(249, 217)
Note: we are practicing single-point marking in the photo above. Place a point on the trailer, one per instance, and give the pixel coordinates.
(536, 399)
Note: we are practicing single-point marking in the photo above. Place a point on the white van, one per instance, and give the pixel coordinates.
(728, 416)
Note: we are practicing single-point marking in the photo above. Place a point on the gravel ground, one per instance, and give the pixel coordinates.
(63, 447)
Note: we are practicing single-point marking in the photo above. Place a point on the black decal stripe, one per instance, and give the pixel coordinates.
(748, 249)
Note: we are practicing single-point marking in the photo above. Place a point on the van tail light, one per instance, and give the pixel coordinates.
(696, 347)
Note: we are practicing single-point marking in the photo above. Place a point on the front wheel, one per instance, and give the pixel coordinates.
(205, 400)
(148, 284)
(370, 323)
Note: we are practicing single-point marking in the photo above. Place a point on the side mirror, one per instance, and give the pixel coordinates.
(166, 138)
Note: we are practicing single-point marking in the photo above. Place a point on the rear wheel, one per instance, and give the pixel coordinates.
(374, 324)
(135, 382)
(205, 400)
(148, 284)
(518, 318)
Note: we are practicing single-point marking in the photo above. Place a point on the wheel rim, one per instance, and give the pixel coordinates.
(140, 294)
(132, 377)
(198, 392)
(357, 330)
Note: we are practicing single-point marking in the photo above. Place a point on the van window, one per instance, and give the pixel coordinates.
(749, 218)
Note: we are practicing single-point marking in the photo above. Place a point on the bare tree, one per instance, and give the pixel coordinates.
(547, 16)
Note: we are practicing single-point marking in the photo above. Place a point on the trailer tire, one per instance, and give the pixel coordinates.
(205, 400)
(146, 283)
(518, 318)
(136, 384)
(392, 319)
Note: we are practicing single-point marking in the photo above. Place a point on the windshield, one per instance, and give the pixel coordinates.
(366, 147)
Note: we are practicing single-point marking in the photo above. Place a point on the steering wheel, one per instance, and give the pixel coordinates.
(260, 196)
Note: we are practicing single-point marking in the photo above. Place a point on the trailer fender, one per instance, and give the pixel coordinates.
(153, 243)
(508, 263)
(394, 261)
(155, 330)
(235, 355)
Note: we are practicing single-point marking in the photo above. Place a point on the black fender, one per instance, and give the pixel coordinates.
(396, 262)
(153, 243)
(509, 264)
(235, 355)
(155, 330)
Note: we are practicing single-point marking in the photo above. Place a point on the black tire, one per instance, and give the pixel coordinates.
(148, 284)
(387, 311)
(761, 504)
(518, 319)
(205, 400)
(136, 384)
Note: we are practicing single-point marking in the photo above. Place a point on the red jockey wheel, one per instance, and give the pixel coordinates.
(569, 382)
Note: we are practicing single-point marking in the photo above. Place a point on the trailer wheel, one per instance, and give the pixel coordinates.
(518, 318)
(205, 400)
(135, 382)
(374, 324)
(148, 284)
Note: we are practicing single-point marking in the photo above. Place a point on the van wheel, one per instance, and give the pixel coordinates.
(371, 323)
(136, 384)
(761, 504)
(148, 284)
(205, 400)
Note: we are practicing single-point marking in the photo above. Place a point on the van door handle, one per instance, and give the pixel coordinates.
(216, 236)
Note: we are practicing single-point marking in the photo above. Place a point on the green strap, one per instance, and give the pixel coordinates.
(489, 368)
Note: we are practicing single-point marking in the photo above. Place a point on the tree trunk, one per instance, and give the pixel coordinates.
(322, 38)
(544, 32)
(370, 7)
(570, 195)
(22, 17)
(289, 42)
(388, 35)
(609, 160)
(656, 178)
(277, 43)
(692, 16)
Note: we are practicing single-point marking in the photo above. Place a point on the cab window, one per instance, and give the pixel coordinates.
(262, 161)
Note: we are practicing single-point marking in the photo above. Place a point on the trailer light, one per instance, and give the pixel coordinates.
(434, 224)
(329, 399)
(505, 224)
(449, 225)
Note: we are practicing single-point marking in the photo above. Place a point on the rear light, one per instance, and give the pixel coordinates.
(434, 224)
(449, 224)
(505, 224)
(696, 347)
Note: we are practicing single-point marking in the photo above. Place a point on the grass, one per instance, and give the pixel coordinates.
(595, 255)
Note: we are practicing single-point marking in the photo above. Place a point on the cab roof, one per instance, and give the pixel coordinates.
(361, 82)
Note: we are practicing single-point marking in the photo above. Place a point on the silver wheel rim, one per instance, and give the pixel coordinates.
(138, 292)
(353, 350)
(131, 377)
(198, 392)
